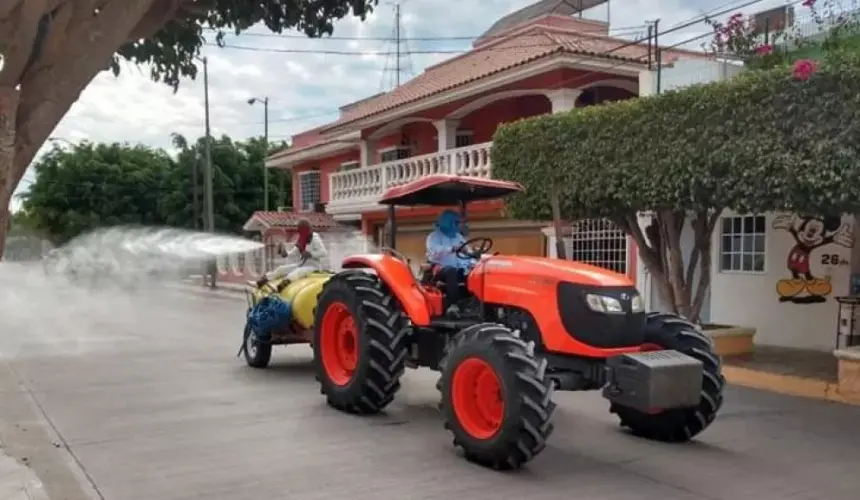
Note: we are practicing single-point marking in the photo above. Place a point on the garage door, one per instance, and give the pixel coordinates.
(505, 241)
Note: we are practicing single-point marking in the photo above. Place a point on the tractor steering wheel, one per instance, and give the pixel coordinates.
(463, 251)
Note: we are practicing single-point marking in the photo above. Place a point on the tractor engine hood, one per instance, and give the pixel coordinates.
(555, 269)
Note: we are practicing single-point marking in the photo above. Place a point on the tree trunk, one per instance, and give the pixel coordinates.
(8, 108)
(660, 252)
(560, 251)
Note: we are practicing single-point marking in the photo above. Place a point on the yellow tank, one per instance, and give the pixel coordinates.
(301, 294)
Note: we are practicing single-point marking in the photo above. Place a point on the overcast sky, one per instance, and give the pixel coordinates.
(305, 89)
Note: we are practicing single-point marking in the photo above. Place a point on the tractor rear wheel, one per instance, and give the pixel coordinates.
(669, 331)
(496, 398)
(359, 343)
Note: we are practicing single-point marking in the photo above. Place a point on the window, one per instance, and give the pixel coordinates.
(393, 154)
(742, 244)
(309, 190)
(464, 138)
(601, 243)
(348, 165)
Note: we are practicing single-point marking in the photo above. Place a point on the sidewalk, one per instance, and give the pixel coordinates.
(19, 482)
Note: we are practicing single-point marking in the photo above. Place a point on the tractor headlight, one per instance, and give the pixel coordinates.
(637, 304)
(603, 304)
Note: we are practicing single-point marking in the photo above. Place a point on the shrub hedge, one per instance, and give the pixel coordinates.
(765, 140)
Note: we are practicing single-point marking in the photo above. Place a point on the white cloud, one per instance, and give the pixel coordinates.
(305, 89)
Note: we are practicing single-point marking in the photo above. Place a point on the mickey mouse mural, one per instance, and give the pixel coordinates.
(810, 233)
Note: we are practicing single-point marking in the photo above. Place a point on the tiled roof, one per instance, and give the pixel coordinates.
(536, 43)
(541, 8)
(291, 219)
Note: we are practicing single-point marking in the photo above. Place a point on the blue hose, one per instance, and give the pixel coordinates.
(271, 313)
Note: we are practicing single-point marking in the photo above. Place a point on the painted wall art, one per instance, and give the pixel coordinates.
(815, 243)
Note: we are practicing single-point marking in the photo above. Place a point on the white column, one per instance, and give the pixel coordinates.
(647, 83)
(367, 149)
(563, 99)
(446, 134)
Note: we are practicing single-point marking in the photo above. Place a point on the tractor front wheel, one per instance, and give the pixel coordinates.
(359, 343)
(669, 331)
(496, 399)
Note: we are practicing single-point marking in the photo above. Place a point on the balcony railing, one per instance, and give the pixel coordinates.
(360, 189)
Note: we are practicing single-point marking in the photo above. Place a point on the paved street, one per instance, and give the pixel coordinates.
(145, 391)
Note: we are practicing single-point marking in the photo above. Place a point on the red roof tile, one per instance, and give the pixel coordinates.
(486, 60)
(291, 219)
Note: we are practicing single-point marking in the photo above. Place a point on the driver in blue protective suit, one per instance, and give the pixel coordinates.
(442, 245)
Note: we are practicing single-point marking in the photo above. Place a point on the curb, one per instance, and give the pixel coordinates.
(786, 384)
(18, 481)
(222, 292)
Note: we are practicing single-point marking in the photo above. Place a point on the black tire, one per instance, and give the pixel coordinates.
(257, 354)
(679, 425)
(527, 394)
(382, 343)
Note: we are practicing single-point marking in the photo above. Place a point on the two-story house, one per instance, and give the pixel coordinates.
(544, 58)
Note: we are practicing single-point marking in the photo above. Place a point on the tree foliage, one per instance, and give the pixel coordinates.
(96, 185)
(767, 140)
(52, 49)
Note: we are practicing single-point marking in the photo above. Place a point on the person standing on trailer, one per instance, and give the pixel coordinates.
(309, 247)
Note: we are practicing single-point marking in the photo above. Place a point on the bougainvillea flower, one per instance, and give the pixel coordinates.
(764, 50)
(808, 3)
(803, 69)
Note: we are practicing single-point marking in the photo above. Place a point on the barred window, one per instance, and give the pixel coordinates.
(601, 243)
(742, 243)
(309, 190)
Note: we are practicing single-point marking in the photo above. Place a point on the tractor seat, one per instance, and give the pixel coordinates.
(427, 272)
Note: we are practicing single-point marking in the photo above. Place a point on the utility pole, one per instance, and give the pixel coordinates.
(397, 42)
(265, 101)
(195, 190)
(207, 180)
(659, 53)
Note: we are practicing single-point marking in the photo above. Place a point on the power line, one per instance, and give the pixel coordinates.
(414, 39)
(686, 24)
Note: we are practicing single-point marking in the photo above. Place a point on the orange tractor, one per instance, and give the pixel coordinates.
(530, 325)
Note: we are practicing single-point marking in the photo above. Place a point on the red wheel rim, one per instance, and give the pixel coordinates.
(476, 394)
(339, 343)
(648, 348)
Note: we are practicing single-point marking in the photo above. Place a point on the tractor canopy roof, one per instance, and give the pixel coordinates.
(447, 190)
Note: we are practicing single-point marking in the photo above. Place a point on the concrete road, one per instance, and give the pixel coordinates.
(146, 393)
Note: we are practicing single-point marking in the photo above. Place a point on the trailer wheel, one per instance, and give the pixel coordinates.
(359, 343)
(257, 354)
(496, 398)
(669, 331)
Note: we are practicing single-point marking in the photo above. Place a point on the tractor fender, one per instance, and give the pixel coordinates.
(399, 278)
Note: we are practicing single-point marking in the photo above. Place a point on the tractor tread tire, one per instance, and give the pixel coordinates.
(670, 331)
(528, 399)
(382, 342)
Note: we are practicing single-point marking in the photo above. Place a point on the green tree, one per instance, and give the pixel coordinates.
(95, 185)
(237, 187)
(770, 140)
(52, 49)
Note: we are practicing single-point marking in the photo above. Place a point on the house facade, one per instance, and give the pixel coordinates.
(542, 59)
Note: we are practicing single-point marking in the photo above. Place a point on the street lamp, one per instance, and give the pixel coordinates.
(265, 102)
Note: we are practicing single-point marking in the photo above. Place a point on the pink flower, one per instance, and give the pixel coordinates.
(803, 69)
(808, 3)
(764, 50)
